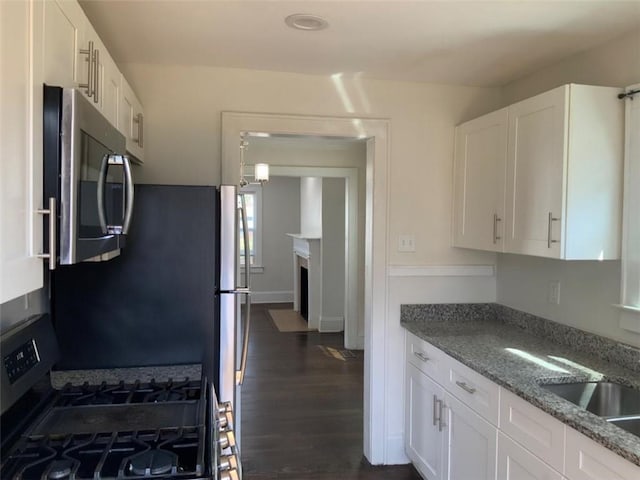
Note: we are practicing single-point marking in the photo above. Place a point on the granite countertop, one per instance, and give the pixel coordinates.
(513, 353)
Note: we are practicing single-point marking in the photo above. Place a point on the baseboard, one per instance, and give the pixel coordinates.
(331, 324)
(272, 297)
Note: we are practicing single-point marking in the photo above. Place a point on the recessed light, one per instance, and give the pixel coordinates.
(305, 21)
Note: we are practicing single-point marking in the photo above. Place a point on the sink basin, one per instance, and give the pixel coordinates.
(631, 424)
(605, 399)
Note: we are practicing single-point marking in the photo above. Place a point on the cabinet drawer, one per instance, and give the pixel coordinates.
(425, 357)
(588, 460)
(476, 391)
(536, 430)
(517, 463)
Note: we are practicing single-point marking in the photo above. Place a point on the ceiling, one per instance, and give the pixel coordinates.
(476, 42)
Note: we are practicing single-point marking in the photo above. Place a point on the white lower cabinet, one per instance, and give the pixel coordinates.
(516, 463)
(459, 425)
(588, 460)
(425, 439)
(471, 453)
(444, 438)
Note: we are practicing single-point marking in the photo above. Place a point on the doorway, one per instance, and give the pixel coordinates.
(376, 134)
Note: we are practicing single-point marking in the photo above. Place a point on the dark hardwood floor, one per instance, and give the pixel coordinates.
(302, 408)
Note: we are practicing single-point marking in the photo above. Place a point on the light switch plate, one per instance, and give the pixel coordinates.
(407, 243)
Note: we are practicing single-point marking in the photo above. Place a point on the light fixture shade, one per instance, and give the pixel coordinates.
(261, 172)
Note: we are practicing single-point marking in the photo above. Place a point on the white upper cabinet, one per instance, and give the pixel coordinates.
(75, 57)
(564, 174)
(479, 180)
(558, 192)
(131, 121)
(21, 271)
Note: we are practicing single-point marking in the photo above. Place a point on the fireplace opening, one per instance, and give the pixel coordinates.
(304, 293)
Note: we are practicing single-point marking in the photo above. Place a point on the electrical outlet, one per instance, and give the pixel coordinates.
(554, 293)
(407, 243)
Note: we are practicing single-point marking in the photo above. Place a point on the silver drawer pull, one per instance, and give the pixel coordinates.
(421, 356)
(466, 387)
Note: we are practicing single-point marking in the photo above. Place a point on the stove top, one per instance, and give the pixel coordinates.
(123, 431)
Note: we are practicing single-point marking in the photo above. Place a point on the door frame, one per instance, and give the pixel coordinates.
(377, 135)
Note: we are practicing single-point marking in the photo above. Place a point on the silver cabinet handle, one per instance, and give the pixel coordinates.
(549, 228)
(496, 219)
(90, 85)
(440, 411)
(139, 119)
(421, 356)
(435, 410)
(466, 387)
(96, 76)
(53, 218)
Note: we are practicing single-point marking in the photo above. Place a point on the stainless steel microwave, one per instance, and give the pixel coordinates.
(87, 180)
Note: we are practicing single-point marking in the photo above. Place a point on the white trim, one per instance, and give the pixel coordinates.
(442, 271)
(331, 324)
(629, 297)
(378, 139)
(630, 319)
(285, 296)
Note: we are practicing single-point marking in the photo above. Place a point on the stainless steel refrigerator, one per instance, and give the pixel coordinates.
(173, 297)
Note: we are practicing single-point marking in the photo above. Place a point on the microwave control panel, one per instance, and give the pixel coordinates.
(21, 360)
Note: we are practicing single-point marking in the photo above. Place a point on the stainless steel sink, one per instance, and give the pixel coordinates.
(630, 424)
(605, 399)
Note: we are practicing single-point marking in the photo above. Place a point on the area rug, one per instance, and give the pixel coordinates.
(287, 320)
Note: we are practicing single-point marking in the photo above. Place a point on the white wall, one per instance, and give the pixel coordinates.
(182, 120)
(311, 206)
(280, 215)
(333, 251)
(588, 289)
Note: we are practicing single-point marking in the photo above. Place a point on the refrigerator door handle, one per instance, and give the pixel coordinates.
(246, 291)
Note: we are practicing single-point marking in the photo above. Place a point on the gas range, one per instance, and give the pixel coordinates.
(121, 430)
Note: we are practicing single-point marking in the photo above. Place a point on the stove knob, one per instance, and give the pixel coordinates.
(228, 462)
(227, 440)
(225, 420)
(224, 407)
(230, 475)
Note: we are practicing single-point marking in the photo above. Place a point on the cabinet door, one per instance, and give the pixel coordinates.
(21, 148)
(516, 463)
(424, 441)
(536, 164)
(479, 182)
(472, 443)
(131, 122)
(109, 85)
(60, 46)
(588, 460)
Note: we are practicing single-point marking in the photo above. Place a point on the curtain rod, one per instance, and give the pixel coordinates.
(630, 94)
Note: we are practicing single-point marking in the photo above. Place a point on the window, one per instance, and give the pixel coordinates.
(253, 203)
(630, 296)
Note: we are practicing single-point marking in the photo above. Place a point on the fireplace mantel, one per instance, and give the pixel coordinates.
(307, 254)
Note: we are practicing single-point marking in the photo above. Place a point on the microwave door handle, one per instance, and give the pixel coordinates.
(126, 165)
(102, 181)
